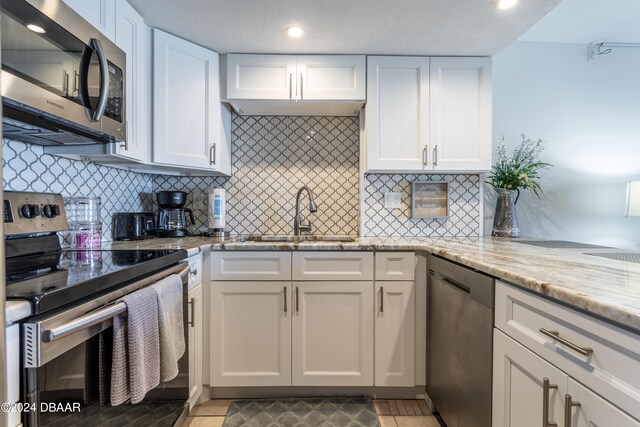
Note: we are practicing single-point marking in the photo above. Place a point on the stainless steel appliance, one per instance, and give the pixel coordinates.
(459, 343)
(133, 225)
(172, 215)
(73, 297)
(63, 82)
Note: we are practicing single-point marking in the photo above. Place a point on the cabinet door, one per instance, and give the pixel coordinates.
(132, 36)
(394, 339)
(186, 102)
(99, 13)
(589, 409)
(331, 77)
(332, 334)
(195, 344)
(518, 386)
(397, 119)
(250, 334)
(261, 77)
(461, 113)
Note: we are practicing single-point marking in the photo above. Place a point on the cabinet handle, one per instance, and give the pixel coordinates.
(555, 335)
(65, 82)
(285, 299)
(297, 301)
(125, 144)
(424, 156)
(546, 386)
(192, 321)
(381, 299)
(76, 77)
(569, 404)
(301, 87)
(435, 156)
(194, 272)
(212, 157)
(290, 85)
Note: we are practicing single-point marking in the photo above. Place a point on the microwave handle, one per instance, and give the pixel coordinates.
(104, 79)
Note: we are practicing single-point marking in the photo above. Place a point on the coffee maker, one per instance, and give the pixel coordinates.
(172, 215)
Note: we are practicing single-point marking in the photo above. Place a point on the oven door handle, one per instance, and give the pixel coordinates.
(93, 318)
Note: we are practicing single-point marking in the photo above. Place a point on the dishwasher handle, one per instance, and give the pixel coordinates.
(450, 282)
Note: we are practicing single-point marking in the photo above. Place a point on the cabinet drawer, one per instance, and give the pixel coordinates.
(613, 364)
(395, 265)
(250, 265)
(332, 266)
(195, 274)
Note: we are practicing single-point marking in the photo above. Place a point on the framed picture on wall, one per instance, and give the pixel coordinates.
(429, 199)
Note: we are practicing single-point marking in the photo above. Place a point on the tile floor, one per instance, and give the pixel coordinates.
(391, 413)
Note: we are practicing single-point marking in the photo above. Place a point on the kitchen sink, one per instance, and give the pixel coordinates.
(560, 244)
(288, 238)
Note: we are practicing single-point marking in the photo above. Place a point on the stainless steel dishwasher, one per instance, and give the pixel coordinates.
(459, 343)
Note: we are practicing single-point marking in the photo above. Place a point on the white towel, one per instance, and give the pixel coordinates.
(136, 348)
(171, 324)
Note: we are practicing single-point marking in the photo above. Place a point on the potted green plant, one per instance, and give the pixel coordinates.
(510, 174)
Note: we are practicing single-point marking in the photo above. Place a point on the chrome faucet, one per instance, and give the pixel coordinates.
(298, 225)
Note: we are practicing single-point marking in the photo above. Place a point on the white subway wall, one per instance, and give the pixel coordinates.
(590, 115)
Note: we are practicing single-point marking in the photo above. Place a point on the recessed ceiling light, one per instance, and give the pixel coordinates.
(295, 31)
(506, 4)
(35, 28)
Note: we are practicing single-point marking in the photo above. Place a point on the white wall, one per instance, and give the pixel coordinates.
(590, 115)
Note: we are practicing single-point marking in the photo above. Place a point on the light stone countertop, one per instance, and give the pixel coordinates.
(602, 287)
(16, 310)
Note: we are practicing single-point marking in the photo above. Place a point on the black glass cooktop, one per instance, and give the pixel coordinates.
(56, 279)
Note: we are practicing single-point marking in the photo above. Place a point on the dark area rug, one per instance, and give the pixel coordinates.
(309, 412)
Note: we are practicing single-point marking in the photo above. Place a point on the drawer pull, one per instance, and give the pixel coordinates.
(192, 322)
(546, 386)
(555, 335)
(569, 404)
(285, 299)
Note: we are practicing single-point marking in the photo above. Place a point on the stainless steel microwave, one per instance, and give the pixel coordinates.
(63, 82)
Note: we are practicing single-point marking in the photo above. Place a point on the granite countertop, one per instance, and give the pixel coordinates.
(603, 287)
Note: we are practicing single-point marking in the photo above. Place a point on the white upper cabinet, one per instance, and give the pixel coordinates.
(291, 77)
(333, 77)
(328, 85)
(425, 114)
(397, 114)
(133, 37)
(261, 76)
(461, 113)
(188, 119)
(100, 13)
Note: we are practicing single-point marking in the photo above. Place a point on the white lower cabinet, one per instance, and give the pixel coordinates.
(519, 386)
(591, 366)
(194, 320)
(250, 334)
(520, 399)
(333, 334)
(587, 409)
(394, 336)
(12, 374)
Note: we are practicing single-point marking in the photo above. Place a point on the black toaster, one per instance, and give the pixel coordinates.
(133, 225)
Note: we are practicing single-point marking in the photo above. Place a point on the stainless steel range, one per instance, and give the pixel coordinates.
(73, 297)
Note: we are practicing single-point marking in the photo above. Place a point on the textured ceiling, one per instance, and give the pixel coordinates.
(586, 21)
(403, 27)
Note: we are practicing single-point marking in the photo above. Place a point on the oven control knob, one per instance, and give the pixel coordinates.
(51, 211)
(29, 211)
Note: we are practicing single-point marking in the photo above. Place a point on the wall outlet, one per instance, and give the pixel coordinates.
(198, 201)
(391, 200)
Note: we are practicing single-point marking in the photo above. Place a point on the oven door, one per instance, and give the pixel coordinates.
(63, 382)
(55, 62)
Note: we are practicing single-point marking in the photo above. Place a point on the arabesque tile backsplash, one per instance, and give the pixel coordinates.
(272, 157)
